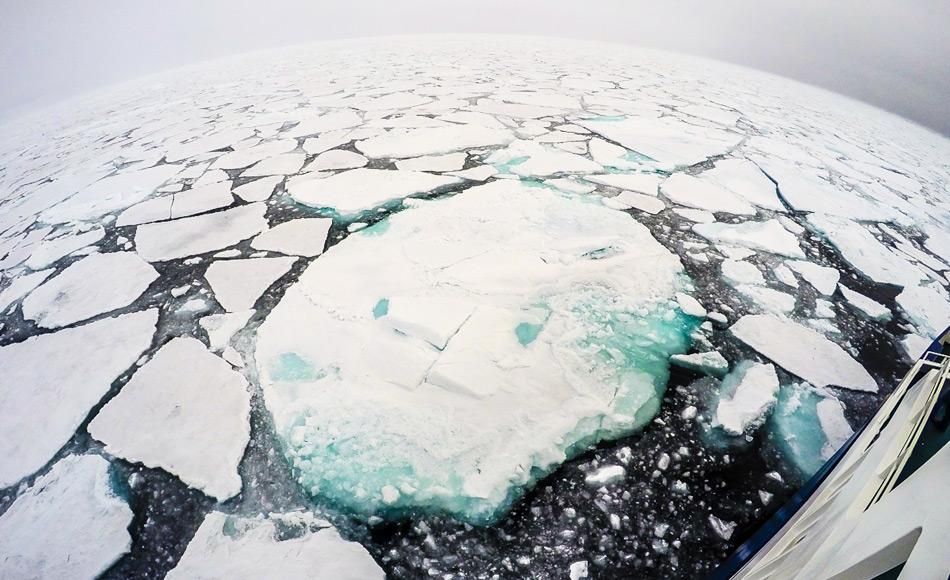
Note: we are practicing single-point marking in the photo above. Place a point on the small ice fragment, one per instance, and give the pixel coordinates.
(605, 476)
(765, 497)
(663, 462)
(723, 529)
(578, 570)
(689, 305)
(712, 362)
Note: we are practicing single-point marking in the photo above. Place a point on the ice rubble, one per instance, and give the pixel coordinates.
(164, 416)
(237, 284)
(501, 333)
(64, 374)
(802, 352)
(183, 237)
(747, 394)
(68, 524)
(235, 547)
(870, 308)
(94, 285)
(358, 190)
(808, 426)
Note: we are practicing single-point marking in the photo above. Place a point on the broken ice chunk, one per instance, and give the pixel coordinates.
(644, 183)
(227, 546)
(747, 395)
(21, 286)
(723, 528)
(803, 352)
(163, 417)
(870, 308)
(259, 189)
(605, 475)
(337, 159)
(300, 237)
(68, 524)
(799, 422)
(221, 327)
(434, 320)
(689, 305)
(437, 163)
(237, 284)
(768, 236)
(711, 363)
(193, 201)
(824, 279)
(745, 179)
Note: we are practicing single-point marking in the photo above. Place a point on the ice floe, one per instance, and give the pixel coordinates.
(428, 141)
(237, 284)
(693, 192)
(21, 286)
(65, 374)
(255, 547)
(94, 285)
(802, 352)
(870, 308)
(768, 236)
(184, 237)
(186, 411)
(505, 307)
(68, 524)
(712, 363)
(747, 394)
(823, 278)
(808, 426)
(358, 190)
(300, 237)
(176, 205)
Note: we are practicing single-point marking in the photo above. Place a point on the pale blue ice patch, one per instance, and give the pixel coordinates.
(795, 429)
(381, 308)
(290, 367)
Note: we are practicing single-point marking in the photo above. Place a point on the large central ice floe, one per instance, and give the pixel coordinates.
(498, 332)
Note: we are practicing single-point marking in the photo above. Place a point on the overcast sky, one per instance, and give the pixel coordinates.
(891, 53)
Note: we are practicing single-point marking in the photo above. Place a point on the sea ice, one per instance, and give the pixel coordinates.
(747, 394)
(157, 242)
(863, 251)
(358, 190)
(176, 205)
(645, 183)
(248, 548)
(870, 308)
(68, 524)
(64, 374)
(629, 199)
(50, 251)
(447, 162)
(798, 427)
(428, 141)
(94, 285)
(337, 159)
(21, 286)
(546, 341)
(768, 236)
(286, 164)
(745, 179)
(605, 475)
(221, 327)
(928, 307)
(527, 158)
(259, 189)
(737, 272)
(300, 237)
(693, 192)
(185, 411)
(237, 284)
(803, 352)
(712, 363)
(823, 278)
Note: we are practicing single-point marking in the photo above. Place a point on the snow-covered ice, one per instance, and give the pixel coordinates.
(535, 288)
(239, 548)
(300, 237)
(802, 352)
(712, 362)
(94, 285)
(358, 190)
(706, 195)
(768, 236)
(823, 278)
(186, 411)
(747, 394)
(63, 375)
(870, 308)
(68, 524)
(184, 237)
(237, 284)
(21, 286)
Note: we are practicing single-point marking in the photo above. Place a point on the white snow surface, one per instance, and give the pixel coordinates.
(357, 190)
(300, 237)
(63, 374)
(68, 524)
(185, 411)
(706, 195)
(505, 263)
(94, 285)
(768, 236)
(157, 242)
(248, 548)
(870, 308)
(802, 352)
(237, 284)
(754, 388)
